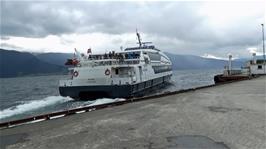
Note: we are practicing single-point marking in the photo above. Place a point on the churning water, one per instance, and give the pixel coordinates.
(27, 96)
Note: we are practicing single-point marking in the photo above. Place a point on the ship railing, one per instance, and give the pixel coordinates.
(235, 72)
(112, 62)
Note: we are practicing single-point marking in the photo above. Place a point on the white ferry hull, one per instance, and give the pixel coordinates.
(111, 91)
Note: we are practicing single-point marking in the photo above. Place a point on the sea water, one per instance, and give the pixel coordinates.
(23, 97)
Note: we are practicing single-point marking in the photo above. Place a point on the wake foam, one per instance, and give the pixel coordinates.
(32, 105)
(106, 100)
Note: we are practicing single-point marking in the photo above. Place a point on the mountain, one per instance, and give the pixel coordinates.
(54, 58)
(197, 62)
(14, 63)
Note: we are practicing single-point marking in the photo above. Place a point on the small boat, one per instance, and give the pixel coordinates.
(253, 68)
(222, 79)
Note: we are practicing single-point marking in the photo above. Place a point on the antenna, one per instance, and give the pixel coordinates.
(139, 39)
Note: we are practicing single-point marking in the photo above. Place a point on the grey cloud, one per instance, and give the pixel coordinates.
(33, 19)
(177, 22)
(29, 19)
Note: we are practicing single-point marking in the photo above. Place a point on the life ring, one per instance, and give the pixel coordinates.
(107, 72)
(75, 74)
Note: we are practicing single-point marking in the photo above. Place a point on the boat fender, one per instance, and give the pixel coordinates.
(107, 72)
(75, 74)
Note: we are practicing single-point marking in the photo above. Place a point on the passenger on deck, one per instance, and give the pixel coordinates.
(110, 55)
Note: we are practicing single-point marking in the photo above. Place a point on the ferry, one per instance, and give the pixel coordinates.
(124, 74)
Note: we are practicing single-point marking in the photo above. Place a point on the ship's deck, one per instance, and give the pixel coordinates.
(225, 116)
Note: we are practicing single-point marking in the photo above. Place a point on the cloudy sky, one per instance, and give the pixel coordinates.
(213, 28)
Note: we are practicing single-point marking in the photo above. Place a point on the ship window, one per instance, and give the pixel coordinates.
(160, 69)
(116, 71)
(259, 66)
(154, 56)
(260, 61)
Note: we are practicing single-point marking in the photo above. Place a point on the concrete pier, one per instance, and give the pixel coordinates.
(221, 117)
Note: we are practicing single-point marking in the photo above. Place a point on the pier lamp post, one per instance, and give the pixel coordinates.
(230, 64)
(263, 46)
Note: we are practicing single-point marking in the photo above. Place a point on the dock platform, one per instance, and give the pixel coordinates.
(229, 116)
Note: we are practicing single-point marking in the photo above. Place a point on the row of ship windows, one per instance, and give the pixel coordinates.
(156, 56)
(160, 69)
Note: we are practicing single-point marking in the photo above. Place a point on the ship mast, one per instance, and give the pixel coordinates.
(139, 40)
(141, 44)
